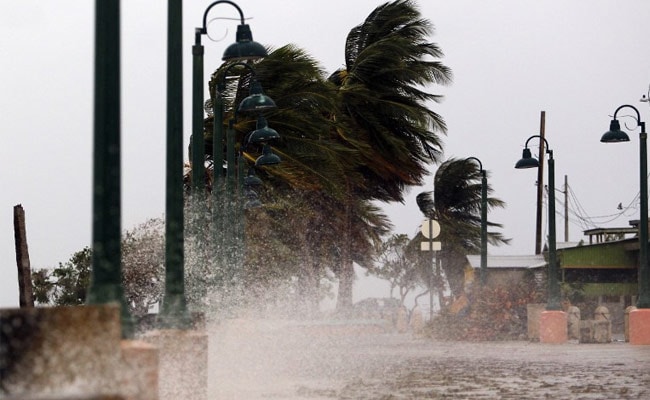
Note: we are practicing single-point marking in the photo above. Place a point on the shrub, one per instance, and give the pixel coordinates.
(493, 313)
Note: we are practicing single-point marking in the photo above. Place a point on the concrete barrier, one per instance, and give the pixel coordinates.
(627, 322)
(183, 363)
(573, 321)
(534, 312)
(73, 353)
(553, 327)
(602, 325)
(640, 326)
(59, 351)
(595, 331)
(138, 376)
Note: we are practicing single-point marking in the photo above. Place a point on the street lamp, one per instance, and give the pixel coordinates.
(248, 182)
(106, 276)
(174, 313)
(616, 135)
(228, 201)
(243, 49)
(483, 220)
(527, 161)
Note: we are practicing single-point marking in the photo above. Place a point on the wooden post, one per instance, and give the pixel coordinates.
(22, 259)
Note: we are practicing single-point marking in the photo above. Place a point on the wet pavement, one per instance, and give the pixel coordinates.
(278, 360)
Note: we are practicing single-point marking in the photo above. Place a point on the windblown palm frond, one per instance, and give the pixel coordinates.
(389, 62)
(456, 204)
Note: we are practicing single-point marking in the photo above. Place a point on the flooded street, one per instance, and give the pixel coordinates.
(280, 360)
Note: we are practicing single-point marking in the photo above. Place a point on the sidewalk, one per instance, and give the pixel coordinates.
(256, 361)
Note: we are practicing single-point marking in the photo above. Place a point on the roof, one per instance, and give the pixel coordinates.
(505, 262)
(566, 245)
(598, 231)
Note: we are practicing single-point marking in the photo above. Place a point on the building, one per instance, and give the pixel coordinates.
(602, 270)
(505, 269)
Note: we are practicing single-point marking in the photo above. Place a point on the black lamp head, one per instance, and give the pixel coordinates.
(527, 160)
(252, 180)
(614, 134)
(245, 48)
(257, 101)
(267, 157)
(262, 133)
(252, 200)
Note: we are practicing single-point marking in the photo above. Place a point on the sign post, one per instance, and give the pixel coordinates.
(431, 230)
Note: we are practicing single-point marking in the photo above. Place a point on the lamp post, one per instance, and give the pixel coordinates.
(483, 220)
(616, 135)
(227, 200)
(527, 161)
(243, 48)
(174, 313)
(106, 278)
(247, 180)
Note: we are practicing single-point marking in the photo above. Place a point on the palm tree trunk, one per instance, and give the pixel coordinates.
(346, 278)
(346, 273)
(454, 269)
(308, 289)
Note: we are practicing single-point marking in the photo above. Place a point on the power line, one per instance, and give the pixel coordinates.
(579, 216)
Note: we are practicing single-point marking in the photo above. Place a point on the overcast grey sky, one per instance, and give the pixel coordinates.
(577, 60)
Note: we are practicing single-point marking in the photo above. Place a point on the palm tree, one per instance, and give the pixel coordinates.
(304, 195)
(316, 170)
(383, 109)
(364, 134)
(456, 204)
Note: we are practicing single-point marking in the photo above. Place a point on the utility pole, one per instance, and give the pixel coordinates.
(566, 209)
(540, 185)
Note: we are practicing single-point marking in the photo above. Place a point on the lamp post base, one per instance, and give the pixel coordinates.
(174, 314)
(639, 321)
(553, 327)
(183, 363)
